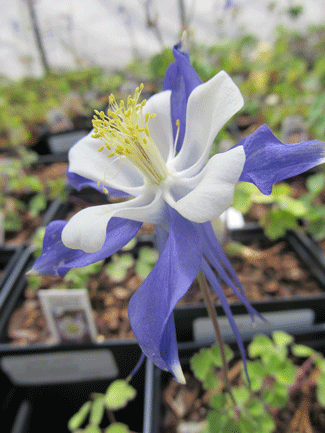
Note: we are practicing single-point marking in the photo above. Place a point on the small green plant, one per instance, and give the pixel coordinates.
(273, 377)
(119, 265)
(283, 211)
(146, 261)
(117, 396)
(22, 193)
(78, 277)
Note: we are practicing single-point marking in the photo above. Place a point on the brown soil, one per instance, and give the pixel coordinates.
(267, 270)
(109, 301)
(272, 270)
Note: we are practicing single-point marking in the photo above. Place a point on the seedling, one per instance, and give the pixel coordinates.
(146, 261)
(273, 377)
(119, 265)
(117, 396)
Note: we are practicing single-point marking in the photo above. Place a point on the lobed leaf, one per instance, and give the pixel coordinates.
(118, 394)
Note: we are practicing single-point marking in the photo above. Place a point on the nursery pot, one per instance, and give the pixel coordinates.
(156, 379)
(192, 323)
(55, 146)
(48, 385)
(56, 379)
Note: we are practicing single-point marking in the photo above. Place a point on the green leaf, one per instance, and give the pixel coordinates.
(246, 424)
(280, 189)
(272, 363)
(320, 362)
(302, 351)
(216, 354)
(321, 380)
(142, 269)
(320, 392)
(117, 427)
(241, 200)
(201, 363)
(211, 380)
(118, 394)
(256, 407)
(266, 423)
(317, 230)
(216, 421)
(231, 426)
(259, 345)
(92, 429)
(217, 401)
(286, 373)
(256, 382)
(255, 368)
(296, 207)
(37, 204)
(34, 281)
(116, 272)
(12, 222)
(97, 411)
(126, 260)
(77, 419)
(148, 255)
(277, 396)
(37, 241)
(130, 245)
(315, 183)
(281, 338)
(241, 395)
(277, 222)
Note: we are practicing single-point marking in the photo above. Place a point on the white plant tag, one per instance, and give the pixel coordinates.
(68, 315)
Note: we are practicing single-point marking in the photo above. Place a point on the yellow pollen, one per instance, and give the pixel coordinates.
(124, 129)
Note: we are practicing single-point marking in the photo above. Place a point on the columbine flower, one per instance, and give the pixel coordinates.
(157, 154)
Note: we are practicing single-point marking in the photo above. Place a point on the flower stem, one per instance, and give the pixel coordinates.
(214, 318)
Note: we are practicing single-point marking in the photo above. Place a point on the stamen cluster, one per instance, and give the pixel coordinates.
(125, 133)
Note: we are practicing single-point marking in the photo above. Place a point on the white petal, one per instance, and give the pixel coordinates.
(209, 107)
(215, 187)
(87, 161)
(86, 230)
(160, 127)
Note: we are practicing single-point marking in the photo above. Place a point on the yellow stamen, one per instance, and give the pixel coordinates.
(125, 132)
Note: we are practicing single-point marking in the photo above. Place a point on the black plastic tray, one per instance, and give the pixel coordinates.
(156, 379)
(53, 147)
(36, 379)
(9, 255)
(48, 407)
(188, 316)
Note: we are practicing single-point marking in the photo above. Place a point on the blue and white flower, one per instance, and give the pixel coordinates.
(156, 153)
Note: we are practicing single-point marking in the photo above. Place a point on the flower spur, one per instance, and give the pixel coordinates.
(156, 153)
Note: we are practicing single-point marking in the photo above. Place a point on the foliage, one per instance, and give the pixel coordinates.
(26, 103)
(283, 210)
(145, 262)
(22, 192)
(273, 376)
(118, 394)
(119, 265)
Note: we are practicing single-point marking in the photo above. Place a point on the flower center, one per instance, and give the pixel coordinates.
(125, 133)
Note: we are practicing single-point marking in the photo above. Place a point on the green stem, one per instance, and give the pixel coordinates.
(214, 318)
(111, 416)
